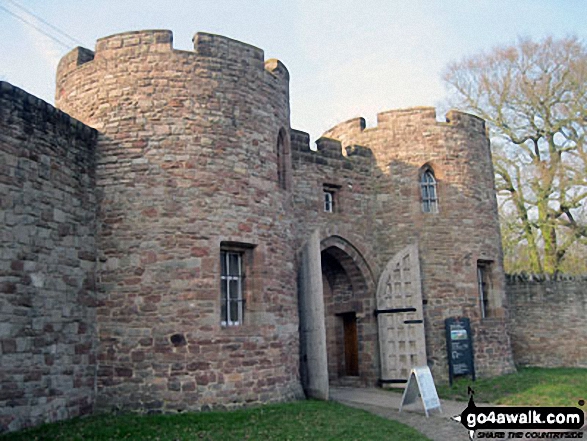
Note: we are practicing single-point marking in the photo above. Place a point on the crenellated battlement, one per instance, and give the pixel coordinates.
(74, 59)
(277, 68)
(329, 153)
(330, 148)
(219, 46)
(409, 117)
(155, 40)
(415, 115)
(142, 43)
(463, 119)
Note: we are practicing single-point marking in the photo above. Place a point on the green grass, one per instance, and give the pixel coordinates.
(303, 420)
(528, 387)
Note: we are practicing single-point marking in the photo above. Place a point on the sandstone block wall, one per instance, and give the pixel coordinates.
(451, 242)
(187, 163)
(47, 262)
(110, 269)
(347, 243)
(547, 321)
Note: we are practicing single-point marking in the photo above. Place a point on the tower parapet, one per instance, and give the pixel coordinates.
(406, 118)
(141, 43)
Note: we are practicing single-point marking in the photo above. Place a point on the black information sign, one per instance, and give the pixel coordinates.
(460, 348)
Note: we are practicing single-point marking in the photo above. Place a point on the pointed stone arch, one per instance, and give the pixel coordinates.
(349, 300)
(351, 259)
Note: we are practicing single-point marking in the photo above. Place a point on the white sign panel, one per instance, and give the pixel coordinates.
(421, 384)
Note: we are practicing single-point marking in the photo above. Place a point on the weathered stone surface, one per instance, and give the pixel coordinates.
(379, 213)
(110, 267)
(547, 321)
(314, 363)
(187, 161)
(48, 207)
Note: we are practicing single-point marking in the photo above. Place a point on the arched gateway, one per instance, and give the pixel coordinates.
(353, 333)
(338, 328)
(351, 329)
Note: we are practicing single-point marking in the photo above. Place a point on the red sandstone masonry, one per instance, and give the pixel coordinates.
(547, 320)
(47, 263)
(465, 230)
(352, 222)
(186, 161)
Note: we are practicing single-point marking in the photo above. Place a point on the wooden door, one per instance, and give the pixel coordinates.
(351, 345)
(401, 326)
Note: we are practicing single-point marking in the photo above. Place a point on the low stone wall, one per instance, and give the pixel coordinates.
(47, 263)
(548, 321)
(491, 344)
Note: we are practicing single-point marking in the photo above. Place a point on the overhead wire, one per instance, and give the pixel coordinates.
(55, 28)
(39, 29)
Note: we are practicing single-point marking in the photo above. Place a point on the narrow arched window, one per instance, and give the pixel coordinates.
(429, 193)
(282, 152)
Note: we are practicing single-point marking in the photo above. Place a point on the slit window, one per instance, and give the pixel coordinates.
(328, 201)
(282, 153)
(484, 286)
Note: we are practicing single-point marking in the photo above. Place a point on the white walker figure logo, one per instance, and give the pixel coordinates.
(492, 421)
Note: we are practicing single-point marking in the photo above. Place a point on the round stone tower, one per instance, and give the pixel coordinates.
(196, 287)
(455, 225)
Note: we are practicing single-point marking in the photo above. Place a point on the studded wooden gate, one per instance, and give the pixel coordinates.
(399, 314)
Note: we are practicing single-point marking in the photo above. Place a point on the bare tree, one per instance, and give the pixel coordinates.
(534, 97)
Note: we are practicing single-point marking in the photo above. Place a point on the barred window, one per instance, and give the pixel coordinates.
(231, 288)
(429, 193)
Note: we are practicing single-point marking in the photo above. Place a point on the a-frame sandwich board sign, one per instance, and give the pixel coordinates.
(421, 384)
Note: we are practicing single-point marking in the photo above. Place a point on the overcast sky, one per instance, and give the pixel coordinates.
(346, 58)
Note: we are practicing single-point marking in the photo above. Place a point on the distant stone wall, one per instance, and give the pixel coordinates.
(47, 261)
(548, 321)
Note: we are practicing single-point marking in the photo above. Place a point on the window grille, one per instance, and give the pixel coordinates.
(231, 283)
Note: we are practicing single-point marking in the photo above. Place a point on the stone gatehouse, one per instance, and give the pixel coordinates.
(170, 243)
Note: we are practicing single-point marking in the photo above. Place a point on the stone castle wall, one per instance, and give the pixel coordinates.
(346, 235)
(47, 262)
(547, 321)
(187, 164)
(117, 270)
(451, 242)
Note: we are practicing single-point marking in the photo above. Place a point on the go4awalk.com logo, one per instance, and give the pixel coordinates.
(529, 422)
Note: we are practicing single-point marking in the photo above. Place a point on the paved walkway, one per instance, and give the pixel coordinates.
(437, 427)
